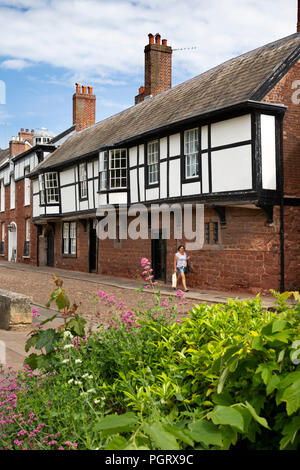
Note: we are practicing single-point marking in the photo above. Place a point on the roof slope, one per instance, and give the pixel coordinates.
(4, 154)
(234, 81)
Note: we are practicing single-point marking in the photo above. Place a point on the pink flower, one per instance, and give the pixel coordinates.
(164, 304)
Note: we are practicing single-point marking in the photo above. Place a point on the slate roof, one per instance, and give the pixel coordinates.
(4, 154)
(238, 80)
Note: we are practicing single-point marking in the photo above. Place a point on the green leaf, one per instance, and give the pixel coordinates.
(179, 434)
(227, 415)
(262, 421)
(162, 439)
(291, 396)
(113, 424)
(117, 443)
(278, 325)
(46, 340)
(257, 343)
(289, 432)
(222, 380)
(273, 384)
(31, 361)
(77, 324)
(206, 433)
(31, 342)
(266, 372)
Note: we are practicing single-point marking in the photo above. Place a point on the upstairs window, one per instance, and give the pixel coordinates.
(51, 188)
(69, 238)
(42, 189)
(103, 171)
(152, 161)
(26, 187)
(83, 189)
(191, 150)
(118, 169)
(12, 193)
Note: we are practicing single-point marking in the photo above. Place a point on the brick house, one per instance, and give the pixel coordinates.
(227, 139)
(18, 233)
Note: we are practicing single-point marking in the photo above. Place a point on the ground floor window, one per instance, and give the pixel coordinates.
(27, 237)
(69, 238)
(2, 240)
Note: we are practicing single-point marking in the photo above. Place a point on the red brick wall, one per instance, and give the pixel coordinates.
(84, 109)
(81, 261)
(282, 93)
(246, 260)
(18, 216)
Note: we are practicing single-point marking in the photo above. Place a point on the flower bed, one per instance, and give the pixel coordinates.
(222, 377)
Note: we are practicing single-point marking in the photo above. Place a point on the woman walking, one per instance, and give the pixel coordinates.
(181, 266)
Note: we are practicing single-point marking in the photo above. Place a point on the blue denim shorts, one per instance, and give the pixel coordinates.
(180, 270)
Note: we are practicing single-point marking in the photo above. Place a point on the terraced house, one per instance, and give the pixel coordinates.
(228, 139)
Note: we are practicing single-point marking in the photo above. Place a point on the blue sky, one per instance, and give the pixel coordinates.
(48, 45)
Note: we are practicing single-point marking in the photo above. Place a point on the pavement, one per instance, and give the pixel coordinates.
(13, 341)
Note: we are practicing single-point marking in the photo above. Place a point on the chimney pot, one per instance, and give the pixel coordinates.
(157, 38)
(22, 130)
(90, 90)
(164, 42)
(84, 89)
(77, 87)
(141, 90)
(27, 130)
(151, 38)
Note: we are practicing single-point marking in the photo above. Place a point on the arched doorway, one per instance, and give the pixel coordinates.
(12, 242)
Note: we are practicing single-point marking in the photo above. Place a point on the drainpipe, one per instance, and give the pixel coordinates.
(282, 250)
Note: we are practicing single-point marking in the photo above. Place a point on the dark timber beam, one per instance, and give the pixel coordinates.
(221, 211)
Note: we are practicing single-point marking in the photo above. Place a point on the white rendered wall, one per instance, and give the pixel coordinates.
(232, 169)
(268, 152)
(231, 131)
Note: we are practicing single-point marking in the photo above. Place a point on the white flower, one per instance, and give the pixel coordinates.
(97, 401)
(65, 361)
(70, 381)
(78, 361)
(92, 390)
(83, 393)
(85, 376)
(68, 346)
(77, 382)
(90, 376)
(68, 334)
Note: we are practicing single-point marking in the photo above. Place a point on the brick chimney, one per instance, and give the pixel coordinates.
(158, 68)
(19, 144)
(26, 135)
(298, 23)
(84, 107)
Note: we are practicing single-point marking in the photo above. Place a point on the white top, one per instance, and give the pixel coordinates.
(181, 260)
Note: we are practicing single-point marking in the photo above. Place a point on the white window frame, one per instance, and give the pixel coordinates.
(51, 187)
(2, 196)
(191, 153)
(12, 193)
(153, 162)
(69, 238)
(118, 169)
(103, 161)
(27, 187)
(42, 189)
(83, 183)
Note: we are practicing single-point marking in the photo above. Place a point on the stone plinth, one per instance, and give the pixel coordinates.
(14, 309)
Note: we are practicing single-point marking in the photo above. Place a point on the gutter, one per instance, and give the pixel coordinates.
(282, 231)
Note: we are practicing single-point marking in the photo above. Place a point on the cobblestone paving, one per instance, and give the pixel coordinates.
(39, 286)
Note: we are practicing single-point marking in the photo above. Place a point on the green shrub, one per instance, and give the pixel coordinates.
(224, 377)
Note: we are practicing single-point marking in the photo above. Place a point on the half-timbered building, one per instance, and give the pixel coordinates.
(228, 139)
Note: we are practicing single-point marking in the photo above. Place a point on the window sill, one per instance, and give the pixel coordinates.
(68, 256)
(26, 257)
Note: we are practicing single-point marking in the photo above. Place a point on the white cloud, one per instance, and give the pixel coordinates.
(101, 39)
(15, 64)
